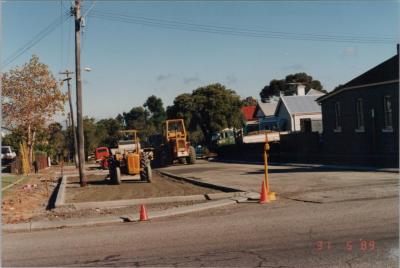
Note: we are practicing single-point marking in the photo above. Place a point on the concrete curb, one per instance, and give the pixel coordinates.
(61, 192)
(360, 168)
(130, 202)
(229, 192)
(200, 183)
(45, 225)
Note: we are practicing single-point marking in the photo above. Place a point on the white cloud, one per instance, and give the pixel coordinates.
(349, 52)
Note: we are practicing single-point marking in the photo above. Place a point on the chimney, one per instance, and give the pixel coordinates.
(398, 45)
(301, 90)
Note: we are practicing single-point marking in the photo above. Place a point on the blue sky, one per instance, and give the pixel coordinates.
(130, 62)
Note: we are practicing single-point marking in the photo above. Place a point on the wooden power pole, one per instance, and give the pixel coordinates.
(81, 148)
(71, 112)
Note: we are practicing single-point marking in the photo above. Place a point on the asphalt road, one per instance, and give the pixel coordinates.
(286, 233)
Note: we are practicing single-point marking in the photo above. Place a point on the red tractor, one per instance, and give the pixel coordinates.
(101, 155)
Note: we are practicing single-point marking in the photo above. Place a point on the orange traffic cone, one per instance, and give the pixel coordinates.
(143, 213)
(264, 198)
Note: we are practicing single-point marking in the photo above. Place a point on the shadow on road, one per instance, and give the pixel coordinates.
(305, 169)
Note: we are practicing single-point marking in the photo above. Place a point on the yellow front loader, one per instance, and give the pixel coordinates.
(129, 159)
(175, 145)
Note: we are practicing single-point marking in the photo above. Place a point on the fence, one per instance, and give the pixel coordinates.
(17, 166)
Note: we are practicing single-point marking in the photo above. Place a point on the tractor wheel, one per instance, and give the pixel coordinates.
(192, 156)
(111, 170)
(117, 175)
(182, 160)
(149, 173)
(145, 168)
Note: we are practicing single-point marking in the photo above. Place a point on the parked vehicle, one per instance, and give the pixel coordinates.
(7, 154)
(101, 156)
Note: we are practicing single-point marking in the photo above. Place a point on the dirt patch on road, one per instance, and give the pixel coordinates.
(100, 189)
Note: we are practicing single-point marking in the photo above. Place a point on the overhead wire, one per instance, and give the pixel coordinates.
(37, 38)
(235, 31)
(61, 36)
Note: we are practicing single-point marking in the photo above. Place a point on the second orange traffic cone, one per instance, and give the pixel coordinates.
(264, 198)
(143, 213)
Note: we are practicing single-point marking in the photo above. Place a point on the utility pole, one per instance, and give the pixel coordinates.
(81, 148)
(67, 73)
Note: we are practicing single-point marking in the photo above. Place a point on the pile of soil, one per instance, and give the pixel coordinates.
(100, 189)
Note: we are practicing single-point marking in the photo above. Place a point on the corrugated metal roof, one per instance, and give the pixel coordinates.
(268, 108)
(301, 104)
(313, 92)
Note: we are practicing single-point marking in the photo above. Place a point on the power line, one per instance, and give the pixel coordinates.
(89, 9)
(230, 27)
(235, 31)
(61, 35)
(36, 39)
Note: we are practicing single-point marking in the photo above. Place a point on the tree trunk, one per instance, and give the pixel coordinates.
(29, 143)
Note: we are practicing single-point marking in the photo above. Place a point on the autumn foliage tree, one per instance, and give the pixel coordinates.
(31, 97)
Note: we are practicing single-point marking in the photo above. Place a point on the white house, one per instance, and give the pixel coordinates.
(301, 112)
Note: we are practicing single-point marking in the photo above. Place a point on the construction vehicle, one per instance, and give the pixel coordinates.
(173, 144)
(130, 159)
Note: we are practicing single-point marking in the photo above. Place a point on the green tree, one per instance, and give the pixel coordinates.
(182, 108)
(208, 109)
(156, 110)
(107, 131)
(276, 87)
(248, 101)
(91, 138)
(56, 141)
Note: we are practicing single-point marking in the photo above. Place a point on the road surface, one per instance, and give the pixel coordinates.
(287, 233)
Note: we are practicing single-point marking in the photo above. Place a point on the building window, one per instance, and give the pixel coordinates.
(360, 115)
(387, 106)
(338, 128)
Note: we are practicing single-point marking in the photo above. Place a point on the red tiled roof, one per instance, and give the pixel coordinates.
(248, 112)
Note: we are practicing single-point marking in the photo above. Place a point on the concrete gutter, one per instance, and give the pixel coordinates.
(131, 202)
(360, 168)
(200, 183)
(45, 225)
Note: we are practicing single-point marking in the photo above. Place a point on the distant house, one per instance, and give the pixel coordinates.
(248, 112)
(360, 118)
(265, 115)
(251, 123)
(301, 112)
(265, 109)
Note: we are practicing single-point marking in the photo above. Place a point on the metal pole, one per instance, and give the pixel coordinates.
(81, 148)
(266, 148)
(76, 159)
